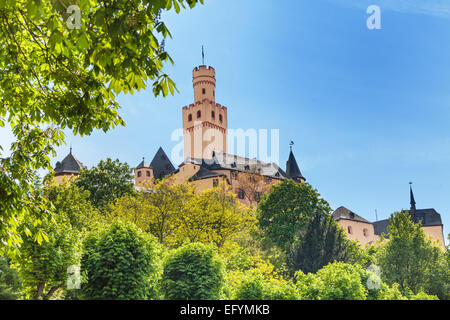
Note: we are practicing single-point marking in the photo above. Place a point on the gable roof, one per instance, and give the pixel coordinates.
(292, 169)
(204, 173)
(342, 213)
(226, 161)
(161, 164)
(429, 217)
(69, 164)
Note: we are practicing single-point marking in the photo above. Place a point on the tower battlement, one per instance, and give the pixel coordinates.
(205, 102)
(204, 70)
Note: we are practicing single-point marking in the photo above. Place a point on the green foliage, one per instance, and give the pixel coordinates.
(287, 209)
(72, 201)
(120, 262)
(54, 78)
(336, 281)
(106, 182)
(322, 242)
(410, 259)
(43, 260)
(193, 272)
(258, 288)
(175, 214)
(10, 288)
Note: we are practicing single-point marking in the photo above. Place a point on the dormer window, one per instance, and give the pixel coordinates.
(190, 117)
(199, 114)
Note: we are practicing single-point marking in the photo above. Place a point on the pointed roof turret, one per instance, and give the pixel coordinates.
(161, 164)
(143, 164)
(411, 197)
(292, 169)
(69, 164)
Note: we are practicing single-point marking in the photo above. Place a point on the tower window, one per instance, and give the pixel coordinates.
(190, 117)
(148, 173)
(139, 173)
(213, 115)
(365, 232)
(220, 117)
(203, 90)
(241, 194)
(349, 230)
(199, 114)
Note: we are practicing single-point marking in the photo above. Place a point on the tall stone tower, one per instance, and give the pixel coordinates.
(204, 122)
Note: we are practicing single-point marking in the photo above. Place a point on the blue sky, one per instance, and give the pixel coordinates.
(368, 110)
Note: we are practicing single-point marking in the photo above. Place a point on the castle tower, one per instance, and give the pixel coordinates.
(204, 122)
(143, 172)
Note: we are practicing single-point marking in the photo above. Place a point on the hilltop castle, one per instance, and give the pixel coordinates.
(207, 163)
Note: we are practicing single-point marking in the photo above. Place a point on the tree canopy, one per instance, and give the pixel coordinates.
(61, 68)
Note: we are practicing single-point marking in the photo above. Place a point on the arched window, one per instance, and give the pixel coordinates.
(199, 114)
(365, 232)
(220, 117)
(349, 230)
(213, 115)
(148, 173)
(139, 173)
(190, 117)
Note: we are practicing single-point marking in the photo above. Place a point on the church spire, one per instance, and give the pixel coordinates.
(411, 196)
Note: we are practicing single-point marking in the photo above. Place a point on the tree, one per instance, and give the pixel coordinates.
(193, 272)
(214, 216)
(410, 259)
(106, 182)
(155, 210)
(321, 243)
(253, 185)
(120, 262)
(74, 202)
(10, 288)
(286, 210)
(45, 258)
(63, 70)
(336, 281)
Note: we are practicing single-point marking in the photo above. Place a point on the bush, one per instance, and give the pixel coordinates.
(336, 281)
(193, 271)
(120, 262)
(258, 288)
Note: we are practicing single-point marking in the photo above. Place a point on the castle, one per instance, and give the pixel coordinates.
(207, 163)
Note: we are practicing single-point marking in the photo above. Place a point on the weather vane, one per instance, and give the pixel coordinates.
(291, 144)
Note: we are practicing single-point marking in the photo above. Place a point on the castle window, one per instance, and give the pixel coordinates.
(257, 196)
(148, 173)
(234, 175)
(215, 182)
(190, 117)
(213, 115)
(139, 173)
(268, 180)
(220, 117)
(203, 90)
(365, 232)
(240, 194)
(349, 230)
(199, 114)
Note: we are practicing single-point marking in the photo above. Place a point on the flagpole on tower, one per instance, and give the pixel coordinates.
(203, 56)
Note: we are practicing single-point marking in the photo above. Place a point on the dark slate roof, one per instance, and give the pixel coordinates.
(161, 164)
(143, 164)
(204, 173)
(344, 213)
(292, 169)
(429, 217)
(70, 164)
(225, 161)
